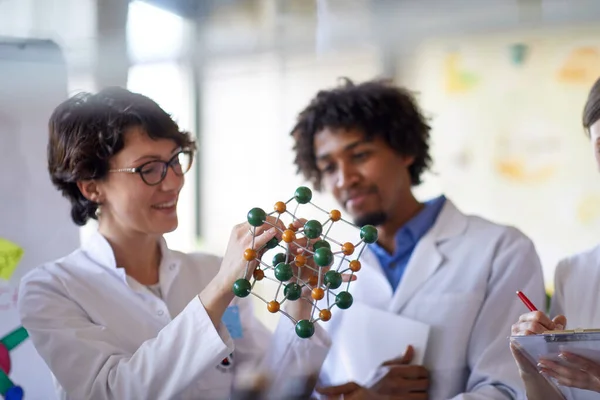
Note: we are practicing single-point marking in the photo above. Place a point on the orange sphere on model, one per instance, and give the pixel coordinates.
(325, 315)
(317, 293)
(249, 254)
(258, 274)
(348, 248)
(273, 306)
(288, 236)
(335, 215)
(300, 260)
(280, 207)
(355, 265)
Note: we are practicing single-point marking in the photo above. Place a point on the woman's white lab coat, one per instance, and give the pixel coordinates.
(461, 280)
(105, 336)
(577, 296)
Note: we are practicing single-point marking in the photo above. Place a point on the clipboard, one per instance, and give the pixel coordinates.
(582, 342)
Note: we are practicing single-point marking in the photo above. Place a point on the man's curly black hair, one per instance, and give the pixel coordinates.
(378, 108)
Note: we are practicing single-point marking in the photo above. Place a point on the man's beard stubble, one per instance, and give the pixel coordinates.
(375, 219)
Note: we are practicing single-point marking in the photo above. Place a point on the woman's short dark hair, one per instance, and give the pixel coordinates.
(378, 108)
(88, 129)
(591, 110)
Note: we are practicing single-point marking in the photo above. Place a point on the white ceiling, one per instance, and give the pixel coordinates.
(301, 26)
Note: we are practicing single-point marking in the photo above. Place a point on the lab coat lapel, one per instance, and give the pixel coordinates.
(427, 258)
(371, 285)
(168, 269)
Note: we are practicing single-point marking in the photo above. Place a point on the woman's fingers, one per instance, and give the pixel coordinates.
(532, 323)
(560, 322)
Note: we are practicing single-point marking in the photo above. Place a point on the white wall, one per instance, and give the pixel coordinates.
(517, 129)
(70, 23)
(249, 107)
(249, 110)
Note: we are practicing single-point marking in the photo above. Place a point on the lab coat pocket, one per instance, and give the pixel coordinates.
(451, 317)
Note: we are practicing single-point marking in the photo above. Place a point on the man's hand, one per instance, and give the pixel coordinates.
(395, 380)
(400, 378)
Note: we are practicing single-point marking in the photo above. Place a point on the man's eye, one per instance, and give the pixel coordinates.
(328, 169)
(360, 156)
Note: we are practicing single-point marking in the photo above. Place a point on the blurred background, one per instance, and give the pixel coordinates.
(503, 82)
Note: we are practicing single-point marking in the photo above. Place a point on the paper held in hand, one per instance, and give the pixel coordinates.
(365, 338)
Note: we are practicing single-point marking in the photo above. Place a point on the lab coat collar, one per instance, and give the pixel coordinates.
(450, 223)
(99, 250)
(427, 258)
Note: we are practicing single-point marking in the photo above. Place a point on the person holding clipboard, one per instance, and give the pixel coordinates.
(124, 316)
(575, 304)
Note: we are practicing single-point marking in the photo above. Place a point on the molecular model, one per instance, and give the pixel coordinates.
(8, 389)
(325, 259)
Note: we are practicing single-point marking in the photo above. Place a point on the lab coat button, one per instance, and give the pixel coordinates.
(160, 312)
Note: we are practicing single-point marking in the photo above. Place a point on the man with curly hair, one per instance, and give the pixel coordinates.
(368, 145)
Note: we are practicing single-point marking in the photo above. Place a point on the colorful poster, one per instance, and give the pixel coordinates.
(458, 80)
(10, 255)
(581, 67)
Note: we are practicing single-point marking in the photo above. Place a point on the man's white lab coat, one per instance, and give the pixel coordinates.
(461, 280)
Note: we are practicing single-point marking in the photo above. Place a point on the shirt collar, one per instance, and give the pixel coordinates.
(418, 225)
(413, 230)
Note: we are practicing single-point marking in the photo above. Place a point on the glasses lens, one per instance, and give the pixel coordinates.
(152, 173)
(183, 162)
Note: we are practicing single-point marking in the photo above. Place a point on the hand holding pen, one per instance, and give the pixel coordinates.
(536, 322)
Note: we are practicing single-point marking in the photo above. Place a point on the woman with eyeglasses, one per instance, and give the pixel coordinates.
(123, 316)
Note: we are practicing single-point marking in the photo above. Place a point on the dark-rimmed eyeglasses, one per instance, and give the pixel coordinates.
(154, 172)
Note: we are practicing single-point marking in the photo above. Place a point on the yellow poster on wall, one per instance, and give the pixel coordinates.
(458, 80)
(581, 67)
(10, 255)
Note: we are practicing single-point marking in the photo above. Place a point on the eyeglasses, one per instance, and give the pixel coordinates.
(154, 172)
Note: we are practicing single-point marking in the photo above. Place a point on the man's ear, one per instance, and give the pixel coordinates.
(408, 160)
(90, 190)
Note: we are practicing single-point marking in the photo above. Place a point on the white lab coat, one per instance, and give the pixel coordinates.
(461, 280)
(577, 296)
(105, 336)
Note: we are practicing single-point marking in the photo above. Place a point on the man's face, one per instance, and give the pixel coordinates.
(367, 177)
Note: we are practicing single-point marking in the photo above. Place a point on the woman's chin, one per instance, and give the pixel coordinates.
(165, 225)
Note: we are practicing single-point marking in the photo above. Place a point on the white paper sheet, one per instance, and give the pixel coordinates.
(365, 338)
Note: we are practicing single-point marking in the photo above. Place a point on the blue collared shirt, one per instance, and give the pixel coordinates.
(407, 238)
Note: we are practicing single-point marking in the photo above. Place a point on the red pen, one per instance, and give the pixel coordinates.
(526, 301)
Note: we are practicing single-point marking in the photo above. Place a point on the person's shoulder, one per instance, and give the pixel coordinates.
(47, 281)
(587, 259)
(480, 227)
(501, 230)
(199, 261)
(53, 271)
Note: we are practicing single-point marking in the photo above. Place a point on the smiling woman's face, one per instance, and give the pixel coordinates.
(129, 202)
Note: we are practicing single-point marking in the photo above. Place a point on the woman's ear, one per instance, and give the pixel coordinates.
(90, 190)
